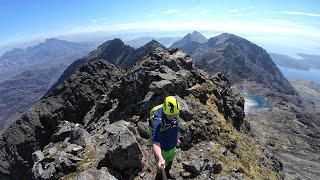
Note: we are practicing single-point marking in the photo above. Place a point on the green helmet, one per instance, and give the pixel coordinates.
(171, 106)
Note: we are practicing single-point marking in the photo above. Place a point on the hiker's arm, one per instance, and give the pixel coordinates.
(157, 152)
(179, 142)
(156, 124)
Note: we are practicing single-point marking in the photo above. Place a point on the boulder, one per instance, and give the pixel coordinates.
(194, 167)
(123, 149)
(37, 156)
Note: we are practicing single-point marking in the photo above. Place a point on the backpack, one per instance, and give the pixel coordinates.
(164, 125)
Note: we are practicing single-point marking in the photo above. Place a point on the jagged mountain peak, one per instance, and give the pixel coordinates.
(226, 37)
(195, 37)
(114, 51)
(115, 42)
(153, 43)
(54, 40)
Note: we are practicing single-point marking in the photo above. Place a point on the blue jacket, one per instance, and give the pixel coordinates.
(168, 138)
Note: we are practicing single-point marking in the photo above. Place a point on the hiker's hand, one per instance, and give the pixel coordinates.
(161, 163)
(179, 142)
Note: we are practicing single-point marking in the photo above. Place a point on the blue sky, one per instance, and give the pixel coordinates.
(285, 22)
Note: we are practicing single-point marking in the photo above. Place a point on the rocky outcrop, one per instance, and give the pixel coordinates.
(90, 125)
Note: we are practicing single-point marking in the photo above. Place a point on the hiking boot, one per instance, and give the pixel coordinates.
(158, 176)
(170, 176)
(167, 170)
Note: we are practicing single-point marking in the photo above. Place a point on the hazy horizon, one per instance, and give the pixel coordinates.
(284, 27)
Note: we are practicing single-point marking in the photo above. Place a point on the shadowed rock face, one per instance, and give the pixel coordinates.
(111, 105)
(70, 101)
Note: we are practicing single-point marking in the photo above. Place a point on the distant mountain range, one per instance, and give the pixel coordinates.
(305, 63)
(51, 49)
(141, 41)
(27, 74)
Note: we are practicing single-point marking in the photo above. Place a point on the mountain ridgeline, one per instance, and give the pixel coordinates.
(94, 122)
(115, 52)
(51, 49)
(240, 60)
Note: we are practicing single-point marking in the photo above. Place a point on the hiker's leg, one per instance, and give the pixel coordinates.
(169, 159)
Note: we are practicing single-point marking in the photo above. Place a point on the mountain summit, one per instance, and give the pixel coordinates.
(195, 37)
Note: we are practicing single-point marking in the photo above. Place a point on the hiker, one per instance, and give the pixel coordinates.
(164, 134)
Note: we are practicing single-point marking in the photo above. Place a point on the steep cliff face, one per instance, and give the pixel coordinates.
(94, 125)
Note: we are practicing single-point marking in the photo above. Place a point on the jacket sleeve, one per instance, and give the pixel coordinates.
(156, 125)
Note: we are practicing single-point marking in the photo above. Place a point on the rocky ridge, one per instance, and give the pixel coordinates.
(113, 51)
(94, 126)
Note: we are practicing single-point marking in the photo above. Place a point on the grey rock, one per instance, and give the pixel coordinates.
(80, 137)
(194, 166)
(186, 136)
(63, 131)
(73, 149)
(185, 112)
(49, 172)
(222, 178)
(123, 149)
(37, 170)
(143, 129)
(95, 174)
(52, 151)
(223, 150)
(37, 156)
